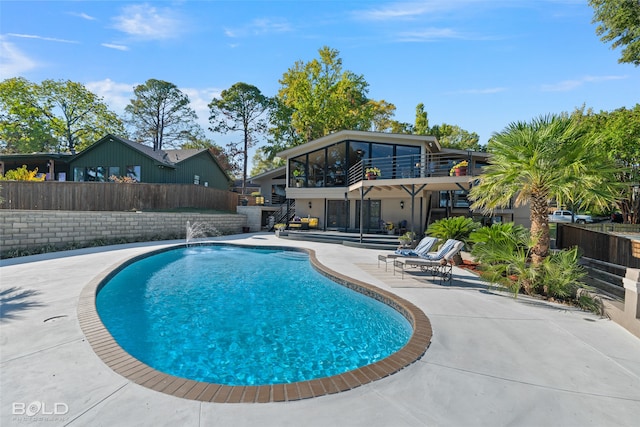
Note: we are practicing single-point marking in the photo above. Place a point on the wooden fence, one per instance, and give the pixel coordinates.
(109, 196)
(596, 241)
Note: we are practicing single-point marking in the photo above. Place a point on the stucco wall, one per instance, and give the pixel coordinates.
(23, 229)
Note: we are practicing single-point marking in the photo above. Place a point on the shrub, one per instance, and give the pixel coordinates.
(458, 227)
(561, 274)
(22, 174)
(492, 244)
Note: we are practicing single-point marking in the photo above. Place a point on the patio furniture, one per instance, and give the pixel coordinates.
(439, 264)
(421, 249)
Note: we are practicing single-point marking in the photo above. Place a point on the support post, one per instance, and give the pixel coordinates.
(631, 284)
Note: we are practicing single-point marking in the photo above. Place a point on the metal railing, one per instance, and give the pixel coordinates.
(412, 166)
(285, 213)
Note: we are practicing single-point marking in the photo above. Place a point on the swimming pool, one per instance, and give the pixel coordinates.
(245, 316)
(122, 362)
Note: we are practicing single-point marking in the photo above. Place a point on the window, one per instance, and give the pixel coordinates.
(329, 167)
(298, 171)
(113, 171)
(337, 214)
(196, 179)
(458, 199)
(133, 172)
(382, 155)
(95, 174)
(371, 215)
(78, 174)
(336, 164)
(317, 163)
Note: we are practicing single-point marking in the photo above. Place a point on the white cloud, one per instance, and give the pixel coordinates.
(259, 27)
(115, 46)
(394, 11)
(486, 91)
(13, 62)
(431, 34)
(200, 99)
(418, 9)
(115, 95)
(49, 39)
(147, 22)
(567, 85)
(83, 16)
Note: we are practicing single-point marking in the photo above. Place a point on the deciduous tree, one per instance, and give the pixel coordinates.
(82, 117)
(453, 136)
(619, 22)
(52, 116)
(618, 133)
(323, 98)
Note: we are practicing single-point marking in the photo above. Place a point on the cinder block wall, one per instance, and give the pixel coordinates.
(23, 229)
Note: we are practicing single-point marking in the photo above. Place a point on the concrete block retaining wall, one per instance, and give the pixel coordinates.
(24, 229)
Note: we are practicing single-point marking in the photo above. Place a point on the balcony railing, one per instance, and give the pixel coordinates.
(412, 166)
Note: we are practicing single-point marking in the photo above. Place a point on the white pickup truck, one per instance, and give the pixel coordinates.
(567, 216)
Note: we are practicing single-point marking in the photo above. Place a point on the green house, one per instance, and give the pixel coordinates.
(113, 158)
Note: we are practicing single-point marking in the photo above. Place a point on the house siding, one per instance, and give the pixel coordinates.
(112, 153)
(204, 166)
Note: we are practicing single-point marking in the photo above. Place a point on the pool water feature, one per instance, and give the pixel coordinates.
(244, 316)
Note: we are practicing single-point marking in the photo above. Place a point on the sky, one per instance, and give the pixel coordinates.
(477, 64)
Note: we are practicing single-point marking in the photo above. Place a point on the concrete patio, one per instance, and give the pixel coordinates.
(493, 361)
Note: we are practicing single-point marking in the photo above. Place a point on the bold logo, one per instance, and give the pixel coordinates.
(36, 407)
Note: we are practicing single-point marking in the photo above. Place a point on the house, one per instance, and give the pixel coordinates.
(113, 156)
(365, 181)
(55, 166)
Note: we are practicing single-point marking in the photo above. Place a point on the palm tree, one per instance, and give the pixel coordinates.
(539, 161)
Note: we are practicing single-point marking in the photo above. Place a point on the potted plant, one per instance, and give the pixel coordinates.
(373, 173)
(390, 227)
(458, 228)
(406, 239)
(280, 228)
(259, 198)
(459, 169)
(298, 174)
(244, 201)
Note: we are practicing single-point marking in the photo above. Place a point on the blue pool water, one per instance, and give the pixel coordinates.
(240, 316)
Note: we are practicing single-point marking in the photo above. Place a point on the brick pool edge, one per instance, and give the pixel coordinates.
(121, 362)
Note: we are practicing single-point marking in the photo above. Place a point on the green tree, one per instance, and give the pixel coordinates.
(82, 117)
(323, 98)
(160, 114)
(618, 133)
(200, 141)
(453, 136)
(619, 21)
(551, 157)
(52, 116)
(383, 112)
(241, 108)
(24, 128)
(262, 162)
(421, 126)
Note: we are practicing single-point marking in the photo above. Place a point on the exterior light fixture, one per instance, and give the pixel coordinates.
(401, 204)
(309, 204)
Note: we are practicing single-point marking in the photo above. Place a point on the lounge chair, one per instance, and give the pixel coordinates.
(422, 249)
(438, 263)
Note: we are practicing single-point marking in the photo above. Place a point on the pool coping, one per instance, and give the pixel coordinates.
(121, 362)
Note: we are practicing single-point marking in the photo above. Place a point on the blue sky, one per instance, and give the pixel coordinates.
(478, 64)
